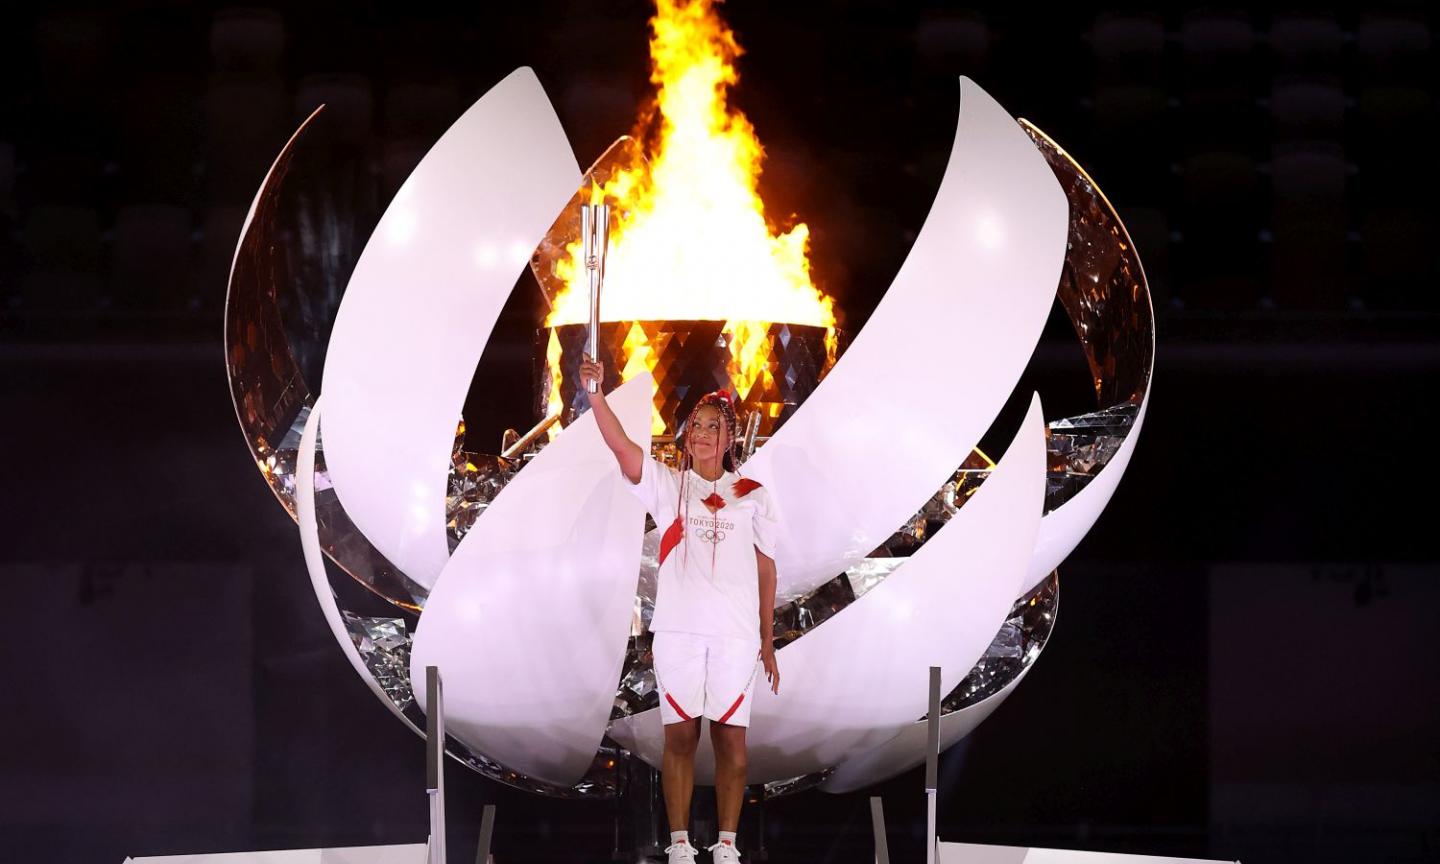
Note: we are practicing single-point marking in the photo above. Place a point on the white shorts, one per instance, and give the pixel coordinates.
(709, 676)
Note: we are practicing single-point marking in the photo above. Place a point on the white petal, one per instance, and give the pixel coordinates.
(935, 362)
(420, 308)
(861, 677)
(529, 622)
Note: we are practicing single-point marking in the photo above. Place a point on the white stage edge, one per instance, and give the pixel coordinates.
(970, 853)
(409, 854)
(950, 853)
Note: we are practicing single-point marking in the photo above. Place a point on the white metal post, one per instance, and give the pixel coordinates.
(487, 828)
(932, 759)
(877, 821)
(435, 762)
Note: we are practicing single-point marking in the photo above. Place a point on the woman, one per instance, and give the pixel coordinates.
(714, 602)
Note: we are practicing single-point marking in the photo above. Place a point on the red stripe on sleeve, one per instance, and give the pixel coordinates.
(671, 539)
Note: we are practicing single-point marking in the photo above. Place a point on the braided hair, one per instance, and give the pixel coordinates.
(722, 401)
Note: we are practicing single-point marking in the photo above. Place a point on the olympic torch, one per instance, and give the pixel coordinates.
(594, 235)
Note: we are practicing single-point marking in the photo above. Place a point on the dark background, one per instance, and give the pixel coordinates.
(1245, 661)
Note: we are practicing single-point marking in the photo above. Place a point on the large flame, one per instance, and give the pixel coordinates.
(690, 239)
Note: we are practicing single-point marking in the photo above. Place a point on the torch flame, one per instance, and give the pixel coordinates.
(690, 239)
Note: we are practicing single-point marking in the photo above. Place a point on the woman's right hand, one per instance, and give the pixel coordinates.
(591, 370)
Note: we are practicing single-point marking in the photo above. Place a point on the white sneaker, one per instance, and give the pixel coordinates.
(680, 853)
(724, 853)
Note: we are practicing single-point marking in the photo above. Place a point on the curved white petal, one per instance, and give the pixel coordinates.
(907, 749)
(1063, 528)
(934, 363)
(860, 678)
(420, 307)
(315, 559)
(529, 622)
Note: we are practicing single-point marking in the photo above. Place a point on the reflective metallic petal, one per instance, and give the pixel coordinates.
(1102, 287)
(1108, 300)
(285, 284)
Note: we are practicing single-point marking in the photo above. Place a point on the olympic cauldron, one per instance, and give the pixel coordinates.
(534, 603)
(769, 366)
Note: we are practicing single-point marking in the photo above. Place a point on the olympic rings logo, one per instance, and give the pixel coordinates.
(710, 535)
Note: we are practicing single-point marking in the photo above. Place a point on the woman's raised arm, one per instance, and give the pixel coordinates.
(629, 454)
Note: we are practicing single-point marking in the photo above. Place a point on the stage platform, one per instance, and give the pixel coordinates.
(408, 854)
(970, 853)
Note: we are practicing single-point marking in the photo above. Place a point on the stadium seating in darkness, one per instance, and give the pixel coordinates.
(1262, 157)
(7, 177)
(61, 176)
(246, 124)
(247, 43)
(218, 237)
(1306, 42)
(1393, 48)
(151, 258)
(953, 43)
(1395, 125)
(1309, 256)
(62, 242)
(158, 143)
(1307, 106)
(70, 50)
(1217, 44)
(421, 109)
(1218, 100)
(595, 112)
(398, 157)
(1220, 231)
(1132, 126)
(349, 115)
(1219, 116)
(1396, 188)
(1128, 47)
(9, 254)
(1400, 269)
(433, 46)
(67, 104)
(1149, 230)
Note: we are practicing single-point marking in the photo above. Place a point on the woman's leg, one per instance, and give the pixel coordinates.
(677, 774)
(730, 765)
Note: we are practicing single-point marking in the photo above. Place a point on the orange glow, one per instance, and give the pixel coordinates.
(639, 359)
(690, 238)
(552, 362)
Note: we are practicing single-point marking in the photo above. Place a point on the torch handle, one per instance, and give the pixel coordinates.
(595, 231)
(587, 252)
(592, 339)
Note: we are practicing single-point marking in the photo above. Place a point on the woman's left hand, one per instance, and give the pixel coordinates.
(772, 670)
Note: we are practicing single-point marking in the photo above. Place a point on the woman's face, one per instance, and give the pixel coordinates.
(707, 436)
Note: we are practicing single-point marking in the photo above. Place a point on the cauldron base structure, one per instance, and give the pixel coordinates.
(397, 529)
